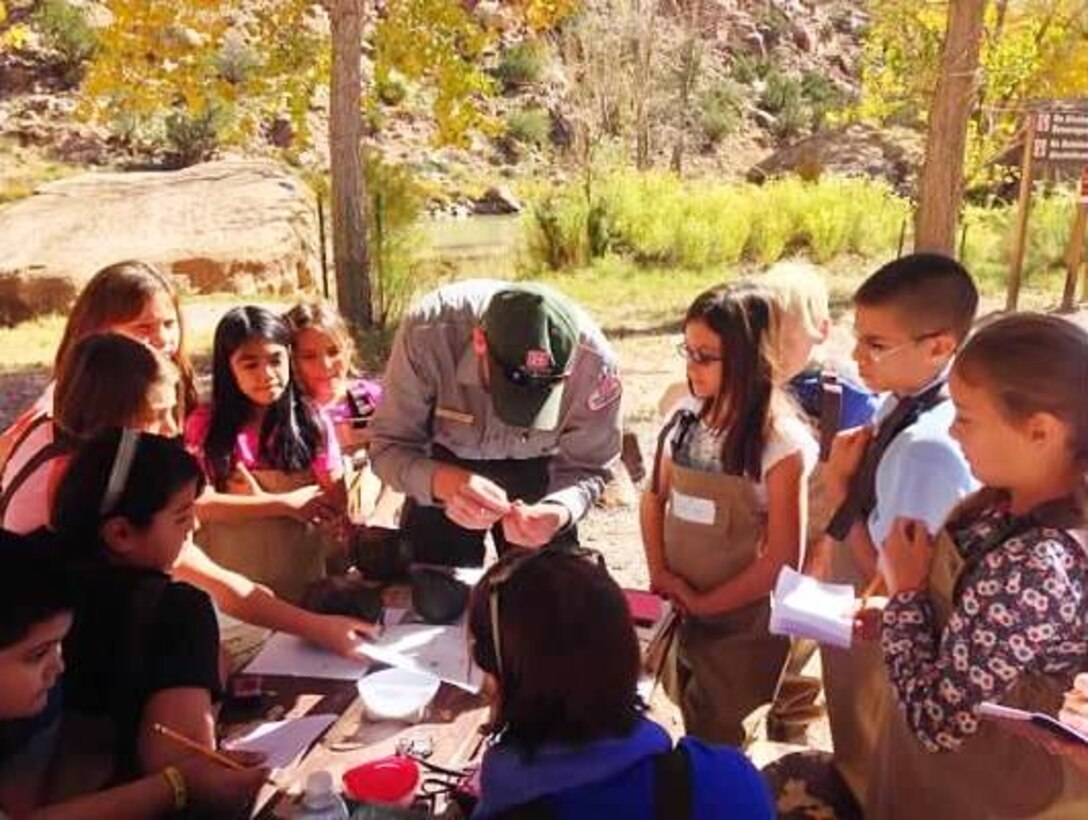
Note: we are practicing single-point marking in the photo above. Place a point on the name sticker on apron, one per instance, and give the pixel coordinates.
(450, 414)
(693, 509)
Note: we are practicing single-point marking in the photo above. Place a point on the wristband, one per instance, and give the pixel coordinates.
(176, 780)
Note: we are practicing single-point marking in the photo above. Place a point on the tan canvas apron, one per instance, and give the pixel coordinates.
(995, 774)
(855, 688)
(722, 667)
(281, 553)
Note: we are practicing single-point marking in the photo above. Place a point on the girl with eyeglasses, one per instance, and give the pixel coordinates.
(144, 648)
(553, 633)
(726, 511)
(272, 459)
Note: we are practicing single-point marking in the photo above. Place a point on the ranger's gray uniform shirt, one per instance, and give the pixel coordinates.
(433, 394)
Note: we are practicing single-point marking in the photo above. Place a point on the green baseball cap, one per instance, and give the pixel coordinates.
(531, 337)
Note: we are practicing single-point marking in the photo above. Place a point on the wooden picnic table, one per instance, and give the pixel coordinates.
(452, 724)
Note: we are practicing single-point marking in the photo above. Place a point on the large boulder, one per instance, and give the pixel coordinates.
(891, 153)
(237, 225)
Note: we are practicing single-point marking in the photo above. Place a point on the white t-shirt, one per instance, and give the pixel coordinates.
(788, 435)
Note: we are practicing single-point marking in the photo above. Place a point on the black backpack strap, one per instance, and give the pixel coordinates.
(830, 411)
(681, 420)
(672, 785)
(59, 446)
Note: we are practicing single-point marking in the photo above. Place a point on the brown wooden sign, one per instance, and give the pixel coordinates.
(1061, 136)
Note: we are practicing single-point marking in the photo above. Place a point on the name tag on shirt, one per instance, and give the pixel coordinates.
(454, 415)
(693, 509)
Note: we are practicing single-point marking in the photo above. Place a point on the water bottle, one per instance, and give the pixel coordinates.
(320, 801)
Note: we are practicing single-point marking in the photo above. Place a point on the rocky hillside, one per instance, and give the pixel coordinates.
(721, 84)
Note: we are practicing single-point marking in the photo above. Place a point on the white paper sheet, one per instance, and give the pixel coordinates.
(441, 651)
(693, 509)
(288, 655)
(282, 741)
(803, 607)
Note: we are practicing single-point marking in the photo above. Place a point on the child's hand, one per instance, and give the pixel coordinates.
(1075, 706)
(868, 621)
(221, 792)
(308, 505)
(847, 451)
(341, 634)
(905, 559)
(667, 584)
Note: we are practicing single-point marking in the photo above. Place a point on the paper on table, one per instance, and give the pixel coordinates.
(281, 741)
(803, 607)
(441, 651)
(288, 655)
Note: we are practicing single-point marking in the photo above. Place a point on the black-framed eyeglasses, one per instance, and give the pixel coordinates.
(690, 354)
(501, 576)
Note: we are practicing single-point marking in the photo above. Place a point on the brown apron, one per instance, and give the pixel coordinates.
(995, 774)
(855, 688)
(722, 667)
(283, 554)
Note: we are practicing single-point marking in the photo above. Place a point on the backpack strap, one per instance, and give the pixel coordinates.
(672, 785)
(830, 411)
(59, 446)
(682, 420)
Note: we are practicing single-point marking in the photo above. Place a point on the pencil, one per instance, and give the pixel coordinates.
(871, 589)
(193, 746)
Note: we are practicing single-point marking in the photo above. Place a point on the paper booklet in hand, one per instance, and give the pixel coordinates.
(1040, 720)
(802, 607)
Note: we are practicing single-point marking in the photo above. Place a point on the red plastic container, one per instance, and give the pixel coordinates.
(389, 780)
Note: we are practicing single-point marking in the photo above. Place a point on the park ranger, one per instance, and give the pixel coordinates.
(501, 413)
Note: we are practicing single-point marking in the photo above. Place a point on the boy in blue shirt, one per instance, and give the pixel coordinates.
(910, 318)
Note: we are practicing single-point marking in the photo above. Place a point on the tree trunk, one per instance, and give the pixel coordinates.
(940, 184)
(349, 240)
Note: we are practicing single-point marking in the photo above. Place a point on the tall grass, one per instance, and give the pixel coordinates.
(657, 219)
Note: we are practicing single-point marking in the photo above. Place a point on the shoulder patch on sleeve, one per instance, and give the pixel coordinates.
(608, 390)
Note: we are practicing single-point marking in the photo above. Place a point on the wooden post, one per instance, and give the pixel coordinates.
(1073, 259)
(1023, 207)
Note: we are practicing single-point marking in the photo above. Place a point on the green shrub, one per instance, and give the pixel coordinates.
(193, 137)
(65, 31)
(783, 97)
(557, 234)
(823, 96)
(720, 111)
(236, 60)
(747, 68)
(529, 126)
(658, 220)
(395, 205)
(391, 89)
(520, 65)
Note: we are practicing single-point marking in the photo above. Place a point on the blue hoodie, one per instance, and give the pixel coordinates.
(615, 778)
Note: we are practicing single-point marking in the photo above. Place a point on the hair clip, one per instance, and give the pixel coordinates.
(122, 466)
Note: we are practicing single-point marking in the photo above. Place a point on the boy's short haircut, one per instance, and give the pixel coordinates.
(932, 293)
(33, 584)
(800, 291)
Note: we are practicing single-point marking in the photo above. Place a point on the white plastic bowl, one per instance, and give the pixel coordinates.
(397, 694)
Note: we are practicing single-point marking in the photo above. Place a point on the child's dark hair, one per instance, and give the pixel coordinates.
(744, 316)
(117, 294)
(33, 589)
(1031, 363)
(290, 435)
(570, 657)
(932, 293)
(160, 468)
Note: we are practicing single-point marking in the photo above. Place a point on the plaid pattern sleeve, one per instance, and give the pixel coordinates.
(1022, 609)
